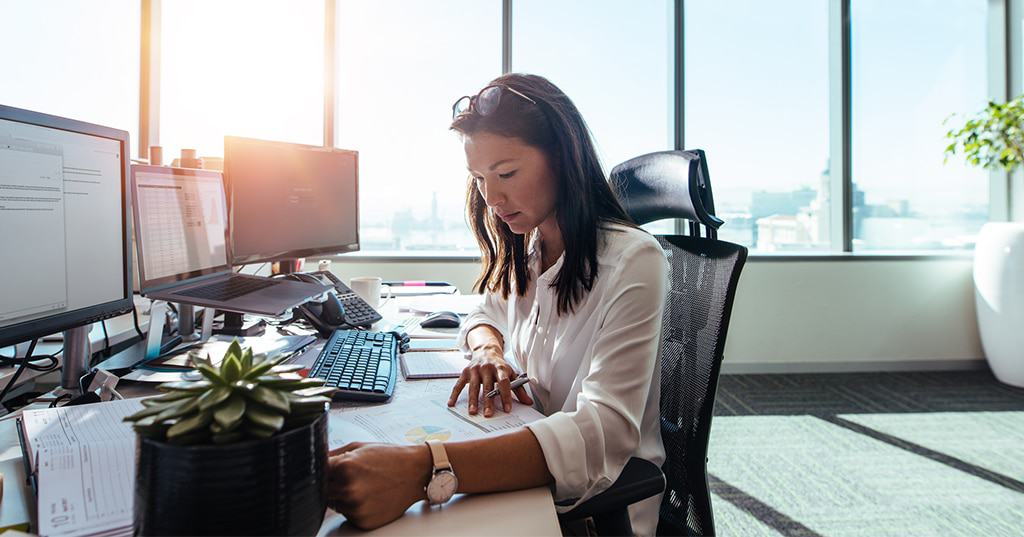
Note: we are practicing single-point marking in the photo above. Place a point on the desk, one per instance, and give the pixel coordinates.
(531, 510)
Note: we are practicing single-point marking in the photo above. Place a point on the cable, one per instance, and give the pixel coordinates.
(12, 361)
(21, 368)
(61, 397)
(106, 338)
(135, 319)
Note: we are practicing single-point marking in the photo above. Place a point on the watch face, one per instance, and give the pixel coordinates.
(442, 487)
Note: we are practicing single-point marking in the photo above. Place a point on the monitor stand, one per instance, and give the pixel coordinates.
(75, 358)
(235, 325)
(187, 322)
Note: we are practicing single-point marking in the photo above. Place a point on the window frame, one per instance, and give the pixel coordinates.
(840, 135)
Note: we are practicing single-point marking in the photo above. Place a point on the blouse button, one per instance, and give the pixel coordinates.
(540, 329)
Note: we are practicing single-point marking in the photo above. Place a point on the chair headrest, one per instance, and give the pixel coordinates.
(666, 184)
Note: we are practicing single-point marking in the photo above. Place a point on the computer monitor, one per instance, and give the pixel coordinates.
(287, 201)
(64, 234)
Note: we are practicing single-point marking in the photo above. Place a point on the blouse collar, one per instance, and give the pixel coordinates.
(534, 260)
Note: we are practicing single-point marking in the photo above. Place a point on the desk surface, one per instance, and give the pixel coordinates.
(532, 510)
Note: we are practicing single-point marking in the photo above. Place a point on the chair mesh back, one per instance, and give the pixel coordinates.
(703, 277)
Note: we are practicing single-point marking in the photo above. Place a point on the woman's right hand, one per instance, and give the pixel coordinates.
(487, 368)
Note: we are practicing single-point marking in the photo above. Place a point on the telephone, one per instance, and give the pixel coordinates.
(343, 307)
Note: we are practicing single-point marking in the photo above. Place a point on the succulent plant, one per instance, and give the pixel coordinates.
(248, 396)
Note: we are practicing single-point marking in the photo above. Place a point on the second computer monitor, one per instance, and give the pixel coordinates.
(287, 201)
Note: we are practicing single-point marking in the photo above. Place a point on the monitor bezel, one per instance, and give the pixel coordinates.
(265, 257)
(58, 322)
(147, 285)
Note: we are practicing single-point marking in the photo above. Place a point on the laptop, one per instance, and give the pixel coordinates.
(181, 236)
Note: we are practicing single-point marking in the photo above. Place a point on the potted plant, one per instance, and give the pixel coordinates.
(994, 139)
(240, 452)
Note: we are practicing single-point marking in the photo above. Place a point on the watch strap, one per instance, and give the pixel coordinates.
(439, 455)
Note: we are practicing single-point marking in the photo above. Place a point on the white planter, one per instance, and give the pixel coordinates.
(999, 298)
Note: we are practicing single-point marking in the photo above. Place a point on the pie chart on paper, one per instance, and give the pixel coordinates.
(418, 435)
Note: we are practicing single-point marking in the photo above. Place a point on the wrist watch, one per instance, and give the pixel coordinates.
(443, 483)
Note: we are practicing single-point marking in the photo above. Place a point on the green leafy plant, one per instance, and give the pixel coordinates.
(245, 397)
(992, 138)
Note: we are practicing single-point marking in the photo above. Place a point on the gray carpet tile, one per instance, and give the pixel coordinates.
(931, 453)
(993, 441)
(803, 476)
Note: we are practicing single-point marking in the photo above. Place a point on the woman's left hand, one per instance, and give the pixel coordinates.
(373, 484)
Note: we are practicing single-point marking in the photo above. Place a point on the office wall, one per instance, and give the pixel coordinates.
(813, 315)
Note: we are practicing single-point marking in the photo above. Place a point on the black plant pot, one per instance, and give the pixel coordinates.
(275, 486)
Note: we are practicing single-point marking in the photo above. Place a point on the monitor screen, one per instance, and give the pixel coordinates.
(180, 224)
(288, 201)
(63, 224)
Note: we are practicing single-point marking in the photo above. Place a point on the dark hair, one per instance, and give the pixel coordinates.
(584, 200)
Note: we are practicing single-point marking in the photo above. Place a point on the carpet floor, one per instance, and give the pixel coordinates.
(880, 454)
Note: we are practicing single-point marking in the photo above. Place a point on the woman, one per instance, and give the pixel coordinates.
(571, 289)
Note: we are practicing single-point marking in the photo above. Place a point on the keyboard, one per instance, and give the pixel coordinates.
(228, 289)
(363, 365)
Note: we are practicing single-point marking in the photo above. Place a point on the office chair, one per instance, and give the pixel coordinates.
(704, 273)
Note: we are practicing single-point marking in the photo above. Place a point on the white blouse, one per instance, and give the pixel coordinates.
(597, 369)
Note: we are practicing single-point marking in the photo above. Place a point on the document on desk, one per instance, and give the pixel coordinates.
(414, 421)
(461, 304)
(84, 461)
(433, 365)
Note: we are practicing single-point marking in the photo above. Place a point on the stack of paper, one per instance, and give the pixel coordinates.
(83, 458)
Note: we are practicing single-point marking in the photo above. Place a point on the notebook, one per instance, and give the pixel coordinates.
(82, 460)
(433, 365)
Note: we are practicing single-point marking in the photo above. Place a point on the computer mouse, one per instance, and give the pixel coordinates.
(441, 319)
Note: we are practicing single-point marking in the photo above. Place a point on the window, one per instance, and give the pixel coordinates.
(914, 63)
(614, 60)
(756, 96)
(240, 67)
(401, 66)
(756, 100)
(74, 59)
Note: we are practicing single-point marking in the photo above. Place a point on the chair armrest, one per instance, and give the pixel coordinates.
(640, 479)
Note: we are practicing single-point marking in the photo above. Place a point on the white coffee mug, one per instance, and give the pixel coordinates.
(368, 288)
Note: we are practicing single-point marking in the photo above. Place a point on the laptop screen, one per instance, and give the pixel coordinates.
(180, 224)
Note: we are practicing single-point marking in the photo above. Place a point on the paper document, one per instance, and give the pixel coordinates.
(73, 425)
(218, 345)
(433, 345)
(418, 290)
(461, 304)
(418, 332)
(414, 421)
(433, 365)
(84, 459)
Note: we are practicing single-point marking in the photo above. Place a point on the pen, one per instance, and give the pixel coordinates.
(519, 381)
(416, 283)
